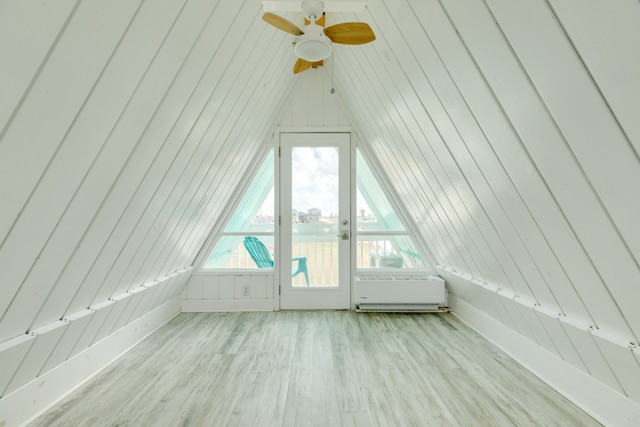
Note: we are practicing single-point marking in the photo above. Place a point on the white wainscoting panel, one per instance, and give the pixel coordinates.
(230, 291)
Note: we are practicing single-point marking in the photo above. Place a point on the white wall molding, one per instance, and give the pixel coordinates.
(602, 402)
(460, 284)
(29, 401)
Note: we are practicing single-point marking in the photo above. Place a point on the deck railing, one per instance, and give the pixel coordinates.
(322, 257)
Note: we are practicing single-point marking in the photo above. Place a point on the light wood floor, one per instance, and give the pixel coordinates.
(315, 369)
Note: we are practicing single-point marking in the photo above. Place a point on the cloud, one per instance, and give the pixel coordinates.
(315, 182)
(315, 179)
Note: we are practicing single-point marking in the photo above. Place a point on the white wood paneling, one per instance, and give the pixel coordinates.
(528, 184)
(119, 304)
(544, 143)
(116, 174)
(602, 402)
(488, 230)
(610, 169)
(595, 362)
(99, 316)
(573, 293)
(159, 221)
(225, 290)
(566, 348)
(46, 339)
(624, 365)
(72, 333)
(37, 24)
(12, 352)
(312, 104)
(210, 287)
(501, 182)
(226, 287)
(606, 37)
(133, 300)
(133, 186)
(506, 131)
(195, 288)
(503, 205)
(36, 396)
(259, 287)
(148, 165)
(88, 50)
(82, 143)
(63, 340)
(155, 293)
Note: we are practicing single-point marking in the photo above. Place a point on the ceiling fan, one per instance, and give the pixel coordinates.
(313, 42)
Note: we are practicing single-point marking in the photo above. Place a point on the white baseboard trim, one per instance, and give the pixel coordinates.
(210, 305)
(31, 400)
(601, 402)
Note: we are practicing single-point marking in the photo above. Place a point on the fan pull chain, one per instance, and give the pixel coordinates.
(333, 90)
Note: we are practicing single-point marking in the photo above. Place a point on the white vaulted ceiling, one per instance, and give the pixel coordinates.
(507, 129)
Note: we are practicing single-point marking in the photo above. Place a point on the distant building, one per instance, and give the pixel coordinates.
(314, 215)
(302, 216)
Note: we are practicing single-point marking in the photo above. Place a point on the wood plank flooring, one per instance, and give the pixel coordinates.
(315, 369)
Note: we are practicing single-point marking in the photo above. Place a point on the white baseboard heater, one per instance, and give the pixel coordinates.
(400, 293)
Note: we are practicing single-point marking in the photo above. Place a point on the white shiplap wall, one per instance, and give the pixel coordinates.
(119, 125)
(503, 133)
(507, 129)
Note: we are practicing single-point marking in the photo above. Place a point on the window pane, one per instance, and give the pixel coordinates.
(253, 215)
(230, 252)
(376, 214)
(256, 207)
(387, 252)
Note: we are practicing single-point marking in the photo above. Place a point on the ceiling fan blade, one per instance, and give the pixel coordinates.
(282, 24)
(350, 33)
(301, 65)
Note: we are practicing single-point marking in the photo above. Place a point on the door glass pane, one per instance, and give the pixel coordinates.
(314, 216)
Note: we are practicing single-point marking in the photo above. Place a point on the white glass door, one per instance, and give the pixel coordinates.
(315, 197)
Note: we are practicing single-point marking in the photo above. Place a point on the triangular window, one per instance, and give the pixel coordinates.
(254, 216)
(383, 240)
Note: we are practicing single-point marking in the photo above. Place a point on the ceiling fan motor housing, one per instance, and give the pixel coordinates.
(312, 10)
(313, 45)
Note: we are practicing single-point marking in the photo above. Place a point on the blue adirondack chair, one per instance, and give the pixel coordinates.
(261, 256)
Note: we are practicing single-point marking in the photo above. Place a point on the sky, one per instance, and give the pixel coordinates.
(314, 179)
(315, 182)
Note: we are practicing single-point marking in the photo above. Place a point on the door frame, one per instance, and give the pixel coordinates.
(352, 204)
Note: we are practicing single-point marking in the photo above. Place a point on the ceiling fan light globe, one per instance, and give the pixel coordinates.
(313, 50)
(313, 45)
